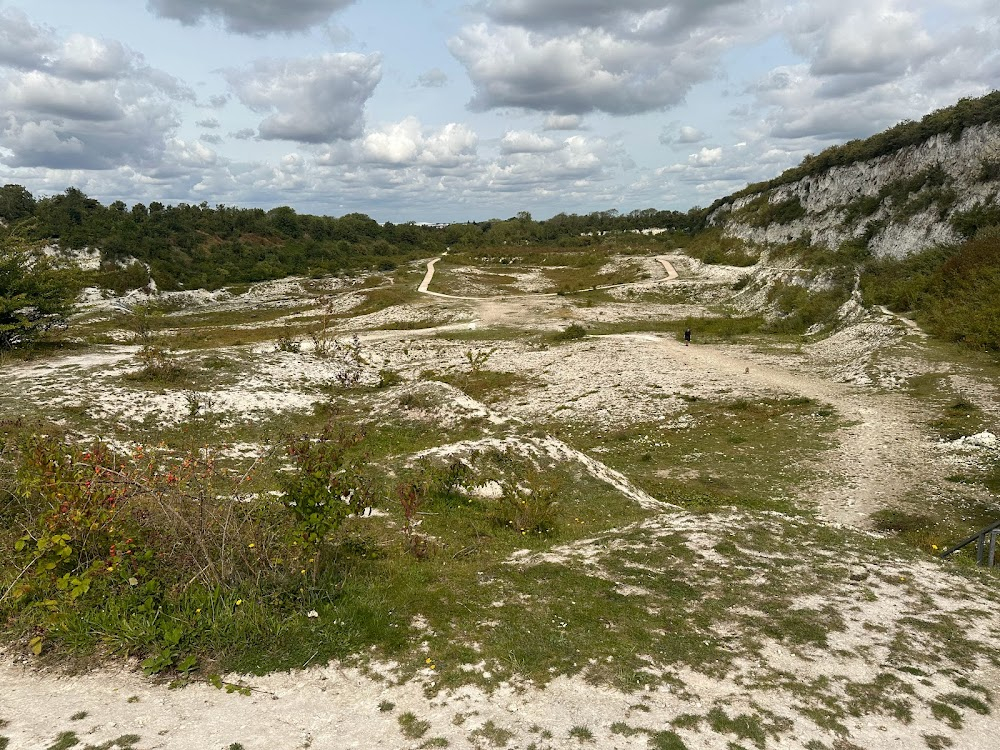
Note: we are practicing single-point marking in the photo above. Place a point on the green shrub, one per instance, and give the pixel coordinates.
(571, 332)
(528, 505)
(954, 292)
(35, 296)
(762, 212)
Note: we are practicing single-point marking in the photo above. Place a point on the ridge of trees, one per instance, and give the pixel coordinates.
(199, 246)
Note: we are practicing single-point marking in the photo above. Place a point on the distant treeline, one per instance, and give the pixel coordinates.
(951, 120)
(199, 246)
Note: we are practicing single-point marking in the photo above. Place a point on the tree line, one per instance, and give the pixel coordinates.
(188, 246)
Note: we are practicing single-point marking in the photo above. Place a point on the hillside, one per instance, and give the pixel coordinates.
(915, 186)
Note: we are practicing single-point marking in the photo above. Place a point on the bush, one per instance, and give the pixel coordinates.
(35, 296)
(801, 309)
(324, 490)
(712, 248)
(571, 332)
(125, 550)
(528, 505)
(954, 292)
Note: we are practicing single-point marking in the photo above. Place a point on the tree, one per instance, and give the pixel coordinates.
(34, 296)
(15, 203)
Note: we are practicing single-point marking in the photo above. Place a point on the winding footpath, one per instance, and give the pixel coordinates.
(671, 274)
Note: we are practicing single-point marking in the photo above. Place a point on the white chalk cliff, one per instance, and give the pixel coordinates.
(876, 200)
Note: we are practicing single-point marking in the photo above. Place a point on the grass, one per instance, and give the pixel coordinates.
(488, 385)
(935, 523)
(958, 419)
(493, 734)
(414, 325)
(743, 453)
(411, 727)
(704, 330)
(666, 740)
(581, 734)
(562, 272)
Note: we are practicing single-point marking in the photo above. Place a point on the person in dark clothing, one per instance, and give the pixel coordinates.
(687, 337)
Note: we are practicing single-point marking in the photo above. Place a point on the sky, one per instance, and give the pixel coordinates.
(451, 110)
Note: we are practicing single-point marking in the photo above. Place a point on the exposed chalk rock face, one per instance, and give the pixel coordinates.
(900, 203)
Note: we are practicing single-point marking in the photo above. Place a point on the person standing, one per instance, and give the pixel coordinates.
(687, 337)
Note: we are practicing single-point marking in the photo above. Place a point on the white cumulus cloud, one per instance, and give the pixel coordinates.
(309, 100)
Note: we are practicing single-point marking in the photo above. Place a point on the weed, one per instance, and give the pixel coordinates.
(78, 716)
(620, 727)
(666, 740)
(570, 333)
(478, 358)
(412, 496)
(388, 378)
(415, 401)
(386, 706)
(287, 343)
(158, 365)
(64, 741)
(947, 714)
(411, 727)
(581, 734)
(495, 735)
(436, 742)
(527, 505)
(937, 741)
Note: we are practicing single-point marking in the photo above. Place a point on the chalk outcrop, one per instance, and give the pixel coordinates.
(898, 203)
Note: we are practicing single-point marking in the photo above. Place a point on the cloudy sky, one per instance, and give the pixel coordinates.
(450, 110)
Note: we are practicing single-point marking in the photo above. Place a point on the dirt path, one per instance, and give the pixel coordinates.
(881, 452)
(671, 274)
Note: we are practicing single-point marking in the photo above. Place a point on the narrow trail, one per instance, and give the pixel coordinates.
(671, 274)
(911, 324)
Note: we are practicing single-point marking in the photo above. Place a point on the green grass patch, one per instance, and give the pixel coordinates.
(749, 454)
(411, 727)
(703, 330)
(488, 385)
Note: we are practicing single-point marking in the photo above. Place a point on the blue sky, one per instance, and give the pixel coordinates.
(436, 110)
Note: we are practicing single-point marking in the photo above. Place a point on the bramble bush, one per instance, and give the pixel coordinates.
(124, 552)
(170, 558)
